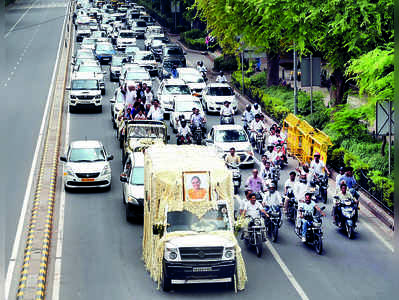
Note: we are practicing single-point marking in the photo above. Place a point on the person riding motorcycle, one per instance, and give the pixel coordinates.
(247, 117)
(342, 195)
(255, 183)
(301, 188)
(198, 120)
(226, 110)
(183, 133)
(256, 126)
(317, 166)
(232, 159)
(221, 78)
(252, 209)
(256, 109)
(351, 182)
(305, 208)
(272, 196)
(338, 179)
(266, 170)
(290, 184)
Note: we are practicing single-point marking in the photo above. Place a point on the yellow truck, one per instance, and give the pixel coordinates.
(188, 218)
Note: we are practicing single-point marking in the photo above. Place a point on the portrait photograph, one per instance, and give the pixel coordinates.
(196, 186)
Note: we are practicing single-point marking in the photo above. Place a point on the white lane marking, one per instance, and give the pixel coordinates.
(19, 20)
(18, 235)
(386, 243)
(286, 271)
(60, 228)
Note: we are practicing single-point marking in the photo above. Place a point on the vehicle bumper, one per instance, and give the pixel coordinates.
(184, 272)
(73, 182)
(85, 103)
(136, 209)
(245, 158)
(104, 59)
(213, 107)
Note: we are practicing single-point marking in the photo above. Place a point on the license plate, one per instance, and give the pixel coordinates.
(87, 179)
(202, 269)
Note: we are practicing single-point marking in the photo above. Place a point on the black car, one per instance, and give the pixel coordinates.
(166, 67)
(173, 52)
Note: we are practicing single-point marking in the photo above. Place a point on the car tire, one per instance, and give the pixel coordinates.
(103, 92)
(129, 217)
(166, 282)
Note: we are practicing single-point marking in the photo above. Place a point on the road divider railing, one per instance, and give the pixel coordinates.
(33, 275)
(303, 140)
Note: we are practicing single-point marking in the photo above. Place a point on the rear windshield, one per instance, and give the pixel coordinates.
(220, 91)
(174, 51)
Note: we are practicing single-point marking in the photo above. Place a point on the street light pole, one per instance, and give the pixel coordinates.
(295, 84)
(242, 71)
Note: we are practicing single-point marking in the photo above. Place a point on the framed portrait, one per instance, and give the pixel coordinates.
(196, 186)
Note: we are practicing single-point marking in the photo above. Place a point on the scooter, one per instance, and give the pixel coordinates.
(314, 233)
(345, 218)
(227, 119)
(322, 182)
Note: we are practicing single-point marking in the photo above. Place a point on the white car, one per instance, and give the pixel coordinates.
(183, 105)
(87, 165)
(84, 92)
(134, 78)
(223, 137)
(96, 70)
(88, 43)
(125, 38)
(214, 96)
(170, 88)
(193, 78)
(147, 60)
(117, 104)
(132, 180)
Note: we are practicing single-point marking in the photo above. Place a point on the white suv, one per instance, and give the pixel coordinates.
(125, 38)
(214, 96)
(85, 91)
(86, 165)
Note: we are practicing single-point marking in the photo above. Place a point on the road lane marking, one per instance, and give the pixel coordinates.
(19, 20)
(386, 243)
(286, 271)
(18, 235)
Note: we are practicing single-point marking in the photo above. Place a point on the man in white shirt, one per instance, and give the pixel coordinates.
(272, 196)
(338, 179)
(221, 78)
(256, 126)
(156, 112)
(183, 132)
(317, 166)
(301, 188)
(256, 109)
(290, 184)
(131, 95)
(226, 110)
(148, 95)
(252, 208)
(307, 207)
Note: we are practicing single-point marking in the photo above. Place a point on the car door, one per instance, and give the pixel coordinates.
(125, 185)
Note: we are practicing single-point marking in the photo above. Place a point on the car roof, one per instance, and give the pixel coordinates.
(86, 144)
(83, 75)
(192, 71)
(227, 127)
(217, 84)
(174, 81)
(138, 159)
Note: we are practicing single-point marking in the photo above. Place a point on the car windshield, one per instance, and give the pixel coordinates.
(131, 49)
(84, 84)
(137, 176)
(127, 35)
(137, 76)
(220, 91)
(174, 51)
(213, 220)
(191, 78)
(86, 155)
(88, 41)
(85, 55)
(146, 56)
(230, 136)
(117, 61)
(177, 89)
(169, 64)
(141, 24)
(146, 132)
(105, 47)
(95, 69)
(182, 106)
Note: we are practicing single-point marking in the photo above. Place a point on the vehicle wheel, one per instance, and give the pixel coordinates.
(166, 282)
(259, 250)
(349, 231)
(318, 244)
(129, 216)
(231, 285)
(274, 233)
(236, 189)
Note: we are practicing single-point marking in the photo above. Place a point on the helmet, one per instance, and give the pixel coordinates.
(248, 107)
(256, 105)
(221, 73)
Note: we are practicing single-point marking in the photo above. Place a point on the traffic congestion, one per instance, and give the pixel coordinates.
(171, 184)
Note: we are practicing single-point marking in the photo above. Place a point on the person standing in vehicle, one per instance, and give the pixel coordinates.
(304, 208)
(301, 188)
(148, 95)
(221, 78)
(131, 95)
(232, 158)
(140, 115)
(255, 183)
(156, 112)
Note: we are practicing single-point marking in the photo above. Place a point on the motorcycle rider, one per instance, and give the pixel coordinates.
(256, 126)
(350, 182)
(247, 117)
(256, 109)
(290, 183)
(251, 209)
(338, 178)
(226, 110)
(301, 188)
(183, 132)
(255, 183)
(198, 119)
(342, 195)
(221, 78)
(307, 207)
(266, 170)
(232, 158)
(317, 166)
(272, 197)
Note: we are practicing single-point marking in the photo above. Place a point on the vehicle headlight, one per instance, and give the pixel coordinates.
(229, 253)
(98, 97)
(257, 222)
(171, 253)
(106, 170)
(132, 199)
(68, 171)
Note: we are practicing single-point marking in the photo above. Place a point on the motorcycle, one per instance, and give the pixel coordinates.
(292, 205)
(226, 120)
(260, 142)
(322, 182)
(256, 235)
(346, 216)
(197, 134)
(183, 140)
(314, 231)
(236, 176)
(274, 222)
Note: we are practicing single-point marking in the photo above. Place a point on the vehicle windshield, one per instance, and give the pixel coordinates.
(105, 47)
(174, 51)
(146, 56)
(182, 106)
(95, 69)
(220, 91)
(86, 155)
(213, 220)
(230, 136)
(167, 65)
(84, 84)
(141, 24)
(117, 61)
(146, 132)
(127, 35)
(177, 89)
(89, 41)
(191, 78)
(84, 55)
(137, 76)
(137, 176)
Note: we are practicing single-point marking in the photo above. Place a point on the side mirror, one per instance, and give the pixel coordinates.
(63, 158)
(110, 157)
(112, 100)
(123, 177)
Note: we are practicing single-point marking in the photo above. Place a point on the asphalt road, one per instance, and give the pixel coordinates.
(30, 42)
(101, 256)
